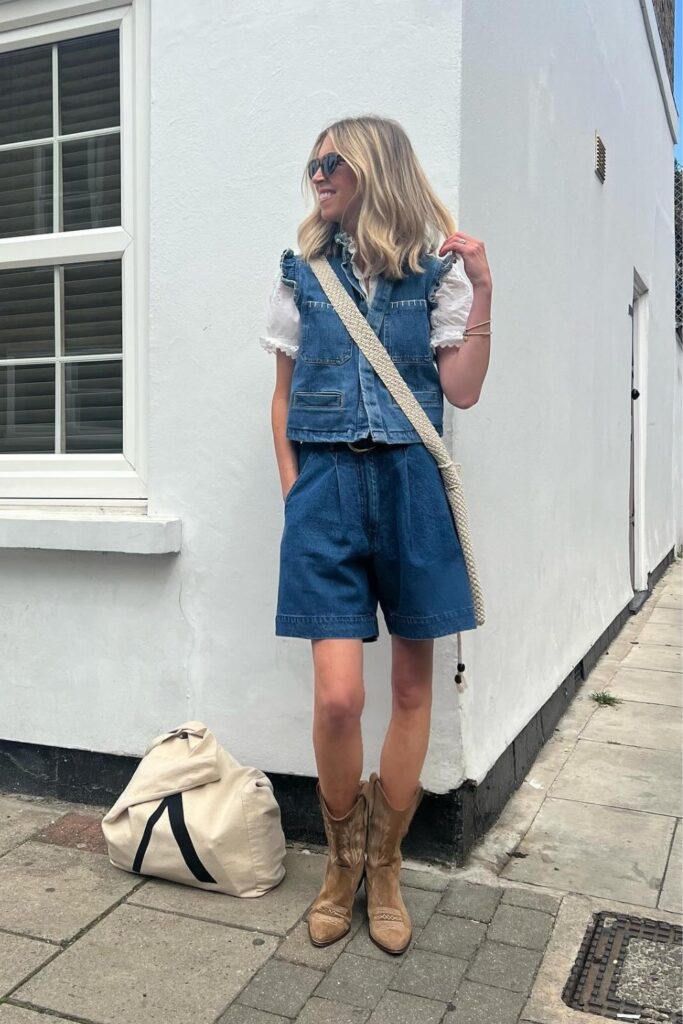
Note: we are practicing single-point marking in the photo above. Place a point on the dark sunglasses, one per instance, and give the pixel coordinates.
(328, 164)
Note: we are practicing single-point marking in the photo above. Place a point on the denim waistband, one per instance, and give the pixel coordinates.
(361, 442)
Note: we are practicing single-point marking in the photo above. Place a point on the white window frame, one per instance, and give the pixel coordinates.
(81, 478)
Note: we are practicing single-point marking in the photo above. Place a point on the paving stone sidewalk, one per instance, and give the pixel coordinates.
(494, 940)
(90, 943)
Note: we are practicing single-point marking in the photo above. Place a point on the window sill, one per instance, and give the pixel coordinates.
(72, 529)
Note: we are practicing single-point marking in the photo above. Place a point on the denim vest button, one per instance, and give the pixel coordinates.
(334, 396)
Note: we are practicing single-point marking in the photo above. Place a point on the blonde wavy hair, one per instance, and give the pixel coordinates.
(400, 218)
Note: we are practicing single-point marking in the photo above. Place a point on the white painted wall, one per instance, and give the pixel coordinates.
(104, 651)
(547, 448)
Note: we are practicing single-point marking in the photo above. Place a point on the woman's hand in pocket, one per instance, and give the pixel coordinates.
(284, 496)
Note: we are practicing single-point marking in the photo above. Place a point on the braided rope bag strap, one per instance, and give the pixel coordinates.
(380, 360)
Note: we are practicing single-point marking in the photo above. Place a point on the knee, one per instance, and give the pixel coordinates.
(340, 706)
(410, 694)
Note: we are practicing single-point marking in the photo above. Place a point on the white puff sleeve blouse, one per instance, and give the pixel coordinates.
(453, 296)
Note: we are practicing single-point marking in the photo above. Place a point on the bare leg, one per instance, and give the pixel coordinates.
(407, 738)
(338, 705)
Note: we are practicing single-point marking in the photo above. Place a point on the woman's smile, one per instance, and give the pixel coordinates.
(340, 202)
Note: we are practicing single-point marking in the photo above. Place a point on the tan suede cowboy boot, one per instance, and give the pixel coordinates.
(389, 921)
(329, 917)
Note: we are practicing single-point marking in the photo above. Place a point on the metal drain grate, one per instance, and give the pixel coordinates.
(628, 968)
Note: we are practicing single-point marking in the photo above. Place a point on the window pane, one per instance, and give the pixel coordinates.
(92, 409)
(93, 421)
(92, 308)
(89, 82)
(27, 409)
(25, 191)
(91, 173)
(27, 313)
(26, 91)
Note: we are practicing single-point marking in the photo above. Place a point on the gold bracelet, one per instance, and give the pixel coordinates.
(474, 334)
(480, 324)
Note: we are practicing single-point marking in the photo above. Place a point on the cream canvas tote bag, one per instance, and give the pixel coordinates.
(193, 814)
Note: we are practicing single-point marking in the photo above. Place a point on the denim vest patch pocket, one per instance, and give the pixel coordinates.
(407, 331)
(317, 399)
(324, 339)
(433, 396)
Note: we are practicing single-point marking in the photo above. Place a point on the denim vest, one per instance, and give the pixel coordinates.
(335, 394)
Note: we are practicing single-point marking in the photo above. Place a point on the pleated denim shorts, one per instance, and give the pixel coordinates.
(368, 528)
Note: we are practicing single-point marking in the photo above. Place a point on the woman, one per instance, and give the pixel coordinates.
(366, 517)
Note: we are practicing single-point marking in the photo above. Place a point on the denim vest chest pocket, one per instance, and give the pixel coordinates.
(407, 332)
(324, 339)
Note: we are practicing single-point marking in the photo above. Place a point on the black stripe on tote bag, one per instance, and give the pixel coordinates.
(176, 817)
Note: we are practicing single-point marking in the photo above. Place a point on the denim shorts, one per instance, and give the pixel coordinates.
(368, 527)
